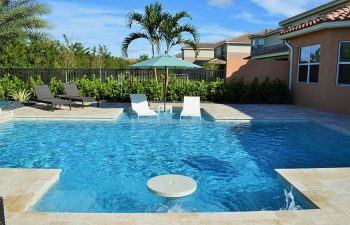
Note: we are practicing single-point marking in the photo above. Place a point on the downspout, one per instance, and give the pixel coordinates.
(291, 55)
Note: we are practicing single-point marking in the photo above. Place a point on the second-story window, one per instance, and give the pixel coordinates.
(261, 42)
(223, 51)
(309, 64)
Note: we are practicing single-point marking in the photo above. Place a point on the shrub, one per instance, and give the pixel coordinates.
(56, 87)
(10, 84)
(21, 96)
(232, 91)
(32, 81)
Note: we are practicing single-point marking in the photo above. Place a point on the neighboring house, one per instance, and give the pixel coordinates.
(205, 53)
(233, 51)
(229, 54)
(266, 44)
(268, 57)
(316, 44)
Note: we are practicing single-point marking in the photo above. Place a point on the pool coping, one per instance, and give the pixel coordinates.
(315, 184)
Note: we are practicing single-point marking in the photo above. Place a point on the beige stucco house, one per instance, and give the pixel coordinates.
(205, 53)
(233, 51)
(316, 47)
(230, 54)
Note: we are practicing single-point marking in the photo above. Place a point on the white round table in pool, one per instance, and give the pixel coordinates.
(172, 186)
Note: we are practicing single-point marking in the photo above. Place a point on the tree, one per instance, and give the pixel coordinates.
(66, 55)
(143, 57)
(22, 18)
(42, 53)
(172, 31)
(149, 23)
(81, 55)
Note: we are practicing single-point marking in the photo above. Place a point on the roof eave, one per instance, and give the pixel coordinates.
(270, 56)
(327, 25)
(238, 43)
(189, 48)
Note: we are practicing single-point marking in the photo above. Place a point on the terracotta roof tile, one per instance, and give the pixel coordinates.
(263, 32)
(244, 38)
(313, 10)
(341, 14)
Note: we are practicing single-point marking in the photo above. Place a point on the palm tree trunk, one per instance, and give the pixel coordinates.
(157, 44)
(152, 50)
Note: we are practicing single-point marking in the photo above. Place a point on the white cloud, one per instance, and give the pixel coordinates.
(249, 17)
(286, 7)
(215, 33)
(220, 3)
(93, 26)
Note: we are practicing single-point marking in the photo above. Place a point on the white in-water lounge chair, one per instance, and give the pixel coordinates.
(139, 104)
(191, 107)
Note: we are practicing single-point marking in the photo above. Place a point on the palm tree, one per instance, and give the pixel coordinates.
(172, 31)
(149, 23)
(22, 18)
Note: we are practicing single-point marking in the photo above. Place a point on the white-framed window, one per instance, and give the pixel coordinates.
(309, 64)
(253, 42)
(343, 70)
(258, 42)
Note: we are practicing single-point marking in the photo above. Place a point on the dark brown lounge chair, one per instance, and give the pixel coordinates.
(44, 95)
(73, 95)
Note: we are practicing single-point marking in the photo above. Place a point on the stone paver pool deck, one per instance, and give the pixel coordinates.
(329, 189)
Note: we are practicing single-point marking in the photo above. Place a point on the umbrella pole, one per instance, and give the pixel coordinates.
(165, 87)
(155, 74)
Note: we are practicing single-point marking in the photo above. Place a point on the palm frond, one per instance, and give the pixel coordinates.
(182, 14)
(188, 28)
(130, 38)
(133, 17)
(172, 30)
(192, 44)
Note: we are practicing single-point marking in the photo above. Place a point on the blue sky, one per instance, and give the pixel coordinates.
(95, 22)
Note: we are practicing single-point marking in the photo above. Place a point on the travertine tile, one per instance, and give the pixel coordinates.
(18, 191)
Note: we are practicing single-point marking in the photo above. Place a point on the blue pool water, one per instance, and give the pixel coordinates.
(106, 164)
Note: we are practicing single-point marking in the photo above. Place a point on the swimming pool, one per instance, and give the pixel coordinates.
(106, 164)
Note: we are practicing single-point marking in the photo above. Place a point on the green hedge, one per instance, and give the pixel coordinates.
(233, 91)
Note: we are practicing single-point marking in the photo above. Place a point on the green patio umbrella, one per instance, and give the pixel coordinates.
(165, 61)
